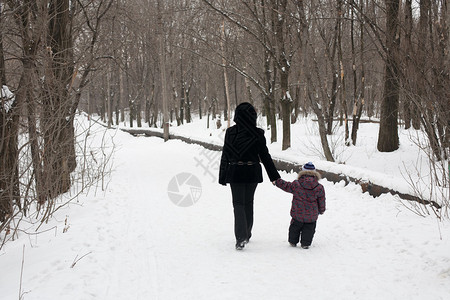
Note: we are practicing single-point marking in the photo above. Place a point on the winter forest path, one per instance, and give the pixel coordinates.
(140, 245)
(364, 247)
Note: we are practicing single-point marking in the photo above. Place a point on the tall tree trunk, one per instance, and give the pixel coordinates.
(322, 132)
(415, 99)
(57, 122)
(182, 91)
(121, 96)
(270, 79)
(408, 100)
(442, 78)
(109, 99)
(334, 81)
(139, 113)
(279, 20)
(343, 92)
(248, 88)
(285, 110)
(388, 133)
(9, 154)
(225, 76)
(90, 101)
(2, 57)
(424, 52)
(128, 98)
(188, 106)
(354, 75)
(359, 100)
(174, 110)
(26, 87)
(147, 104)
(270, 100)
(25, 95)
(117, 94)
(9, 158)
(113, 80)
(162, 69)
(296, 102)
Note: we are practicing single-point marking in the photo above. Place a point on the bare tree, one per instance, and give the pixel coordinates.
(9, 157)
(388, 133)
(162, 66)
(46, 97)
(225, 75)
(343, 90)
(358, 102)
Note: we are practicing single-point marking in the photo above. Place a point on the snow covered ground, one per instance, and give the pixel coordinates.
(134, 242)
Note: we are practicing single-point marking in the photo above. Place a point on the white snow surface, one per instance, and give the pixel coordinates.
(133, 242)
(7, 98)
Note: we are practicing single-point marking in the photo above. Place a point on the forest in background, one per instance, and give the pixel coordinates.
(157, 61)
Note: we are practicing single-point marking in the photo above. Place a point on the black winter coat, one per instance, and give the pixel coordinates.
(244, 148)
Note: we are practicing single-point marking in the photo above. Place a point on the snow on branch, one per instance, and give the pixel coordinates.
(7, 98)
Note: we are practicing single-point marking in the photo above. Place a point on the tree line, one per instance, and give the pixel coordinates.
(157, 61)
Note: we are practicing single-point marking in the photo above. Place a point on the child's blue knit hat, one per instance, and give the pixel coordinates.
(308, 167)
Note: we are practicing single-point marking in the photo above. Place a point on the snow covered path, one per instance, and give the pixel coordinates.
(139, 245)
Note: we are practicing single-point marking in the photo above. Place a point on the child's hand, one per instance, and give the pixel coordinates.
(273, 182)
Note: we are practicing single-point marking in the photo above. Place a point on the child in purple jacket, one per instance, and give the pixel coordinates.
(308, 202)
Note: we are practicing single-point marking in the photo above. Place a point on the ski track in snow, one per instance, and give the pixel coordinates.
(139, 245)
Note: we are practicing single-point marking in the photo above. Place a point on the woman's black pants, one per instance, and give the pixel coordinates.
(243, 194)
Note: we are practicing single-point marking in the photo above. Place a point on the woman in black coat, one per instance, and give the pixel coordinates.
(243, 150)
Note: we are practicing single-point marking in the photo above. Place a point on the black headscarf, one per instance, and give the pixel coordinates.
(245, 116)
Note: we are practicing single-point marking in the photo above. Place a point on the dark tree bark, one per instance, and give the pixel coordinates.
(408, 102)
(57, 121)
(430, 95)
(329, 114)
(9, 158)
(359, 100)
(162, 69)
(343, 91)
(270, 78)
(30, 35)
(388, 133)
(279, 20)
(442, 78)
(182, 91)
(2, 57)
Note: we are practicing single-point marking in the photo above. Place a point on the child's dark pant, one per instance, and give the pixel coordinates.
(305, 230)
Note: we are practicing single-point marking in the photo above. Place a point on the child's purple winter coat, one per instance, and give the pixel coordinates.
(309, 196)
